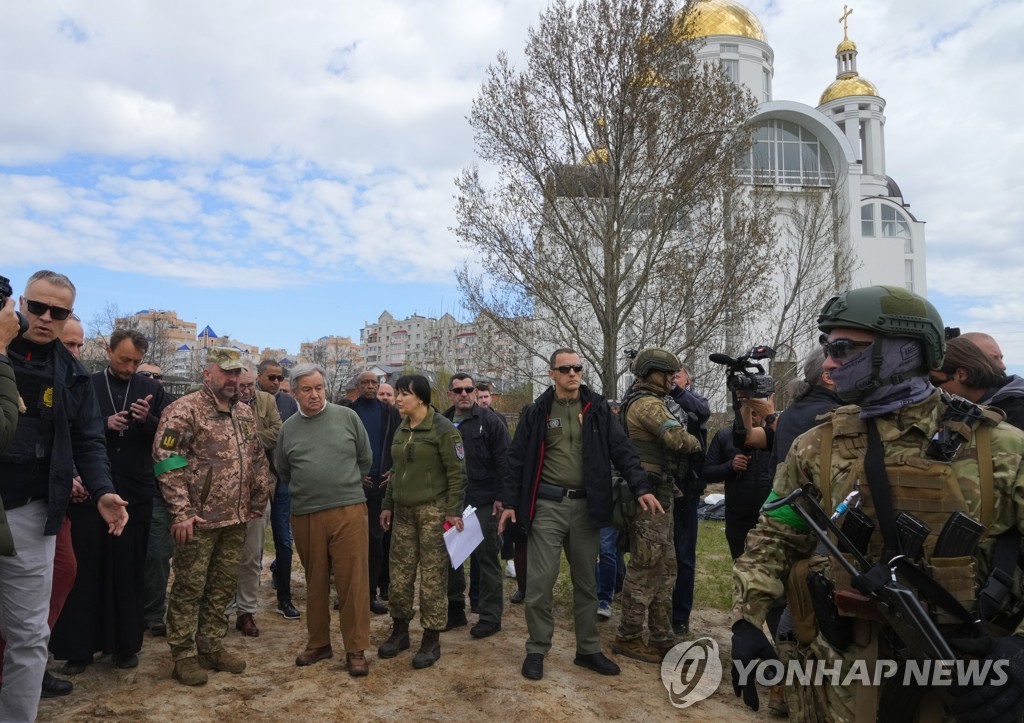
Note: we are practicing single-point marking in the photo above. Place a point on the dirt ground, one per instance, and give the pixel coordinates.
(474, 679)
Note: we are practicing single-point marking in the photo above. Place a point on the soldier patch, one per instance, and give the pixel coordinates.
(553, 423)
(460, 451)
(170, 439)
(48, 398)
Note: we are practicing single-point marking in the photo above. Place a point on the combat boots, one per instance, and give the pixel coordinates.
(221, 660)
(430, 650)
(636, 649)
(188, 672)
(397, 641)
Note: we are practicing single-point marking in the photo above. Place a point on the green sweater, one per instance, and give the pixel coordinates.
(323, 459)
(428, 465)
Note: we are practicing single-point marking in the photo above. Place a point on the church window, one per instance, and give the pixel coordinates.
(766, 90)
(867, 220)
(731, 68)
(786, 153)
(895, 225)
(729, 48)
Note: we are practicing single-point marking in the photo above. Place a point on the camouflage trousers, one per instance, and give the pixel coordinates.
(417, 541)
(205, 577)
(650, 576)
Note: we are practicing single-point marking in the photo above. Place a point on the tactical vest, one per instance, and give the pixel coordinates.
(33, 440)
(651, 451)
(926, 488)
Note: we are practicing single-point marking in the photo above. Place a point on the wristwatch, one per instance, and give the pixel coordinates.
(770, 419)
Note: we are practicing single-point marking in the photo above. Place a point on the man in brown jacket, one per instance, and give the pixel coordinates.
(214, 478)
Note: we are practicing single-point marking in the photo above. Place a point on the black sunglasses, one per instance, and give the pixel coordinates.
(152, 375)
(841, 348)
(57, 313)
(461, 390)
(566, 368)
(276, 377)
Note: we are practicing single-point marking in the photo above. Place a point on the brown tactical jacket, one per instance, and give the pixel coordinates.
(211, 463)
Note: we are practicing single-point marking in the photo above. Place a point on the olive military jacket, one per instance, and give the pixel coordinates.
(655, 432)
(778, 542)
(428, 465)
(211, 463)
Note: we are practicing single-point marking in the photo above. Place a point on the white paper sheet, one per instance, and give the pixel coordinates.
(461, 544)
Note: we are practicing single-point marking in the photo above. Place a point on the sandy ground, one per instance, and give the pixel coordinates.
(474, 679)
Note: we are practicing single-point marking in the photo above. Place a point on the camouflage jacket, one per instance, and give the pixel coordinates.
(211, 463)
(654, 432)
(777, 542)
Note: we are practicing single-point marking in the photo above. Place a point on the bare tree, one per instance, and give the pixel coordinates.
(813, 261)
(154, 325)
(338, 360)
(613, 217)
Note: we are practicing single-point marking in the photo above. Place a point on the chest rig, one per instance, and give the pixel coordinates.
(930, 479)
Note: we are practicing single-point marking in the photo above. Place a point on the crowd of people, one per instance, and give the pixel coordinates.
(107, 480)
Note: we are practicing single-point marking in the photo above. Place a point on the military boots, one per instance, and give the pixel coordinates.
(430, 650)
(221, 660)
(636, 649)
(188, 672)
(397, 641)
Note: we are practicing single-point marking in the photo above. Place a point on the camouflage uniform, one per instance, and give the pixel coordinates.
(426, 486)
(210, 464)
(651, 573)
(779, 541)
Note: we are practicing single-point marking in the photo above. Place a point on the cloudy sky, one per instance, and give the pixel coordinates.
(282, 171)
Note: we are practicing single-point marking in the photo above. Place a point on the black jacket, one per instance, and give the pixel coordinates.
(1009, 397)
(799, 417)
(604, 443)
(78, 438)
(485, 439)
(390, 420)
(745, 491)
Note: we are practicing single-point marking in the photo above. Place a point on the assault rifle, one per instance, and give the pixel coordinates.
(884, 597)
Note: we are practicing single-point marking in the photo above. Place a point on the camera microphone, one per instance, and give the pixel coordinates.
(721, 358)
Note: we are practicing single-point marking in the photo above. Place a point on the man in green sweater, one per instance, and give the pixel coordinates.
(323, 453)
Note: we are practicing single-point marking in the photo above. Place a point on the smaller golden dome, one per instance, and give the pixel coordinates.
(597, 156)
(845, 87)
(718, 17)
(846, 46)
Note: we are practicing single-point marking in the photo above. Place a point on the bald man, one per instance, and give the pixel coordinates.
(386, 393)
(988, 345)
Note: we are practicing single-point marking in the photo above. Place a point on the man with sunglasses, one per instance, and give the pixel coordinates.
(59, 431)
(559, 489)
(881, 342)
(270, 377)
(486, 440)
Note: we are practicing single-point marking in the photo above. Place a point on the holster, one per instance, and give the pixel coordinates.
(835, 628)
(798, 595)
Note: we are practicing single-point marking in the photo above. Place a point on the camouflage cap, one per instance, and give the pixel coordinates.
(226, 359)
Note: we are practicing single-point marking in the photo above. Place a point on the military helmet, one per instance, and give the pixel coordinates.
(888, 311)
(655, 359)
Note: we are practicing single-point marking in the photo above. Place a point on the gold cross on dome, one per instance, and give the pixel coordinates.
(847, 12)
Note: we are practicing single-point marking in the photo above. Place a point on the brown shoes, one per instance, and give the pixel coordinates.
(356, 664)
(221, 660)
(636, 649)
(308, 657)
(188, 672)
(246, 624)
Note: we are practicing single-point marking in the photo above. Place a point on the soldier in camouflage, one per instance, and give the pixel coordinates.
(214, 478)
(660, 439)
(880, 344)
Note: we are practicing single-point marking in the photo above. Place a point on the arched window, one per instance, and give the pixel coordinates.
(896, 225)
(785, 153)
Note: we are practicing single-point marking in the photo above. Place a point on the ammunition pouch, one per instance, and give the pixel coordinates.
(959, 577)
(798, 595)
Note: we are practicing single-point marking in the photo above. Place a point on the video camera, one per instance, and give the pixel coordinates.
(5, 293)
(744, 374)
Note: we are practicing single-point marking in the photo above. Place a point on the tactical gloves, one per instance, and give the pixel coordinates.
(749, 643)
(1001, 698)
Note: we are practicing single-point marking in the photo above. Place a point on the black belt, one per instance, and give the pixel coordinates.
(15, 504)
(548, 491)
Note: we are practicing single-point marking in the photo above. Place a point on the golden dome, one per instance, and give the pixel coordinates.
(719, 17)
(598, 156)
(845, 87)
(846, 46)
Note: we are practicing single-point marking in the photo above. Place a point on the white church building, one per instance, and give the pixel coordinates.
(843, 138)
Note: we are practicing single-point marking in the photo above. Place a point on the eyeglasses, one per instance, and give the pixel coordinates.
(841, 348)
(461, 390)
(276, 377)
(58, 313)
(152, 375)
(566, 368)
(247, 385)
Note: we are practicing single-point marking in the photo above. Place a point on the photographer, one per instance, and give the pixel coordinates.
(747, 474)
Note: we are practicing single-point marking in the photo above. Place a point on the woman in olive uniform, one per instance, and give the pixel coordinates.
(425, 492)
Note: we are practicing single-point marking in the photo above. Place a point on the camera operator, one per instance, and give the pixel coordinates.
(746, 472)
